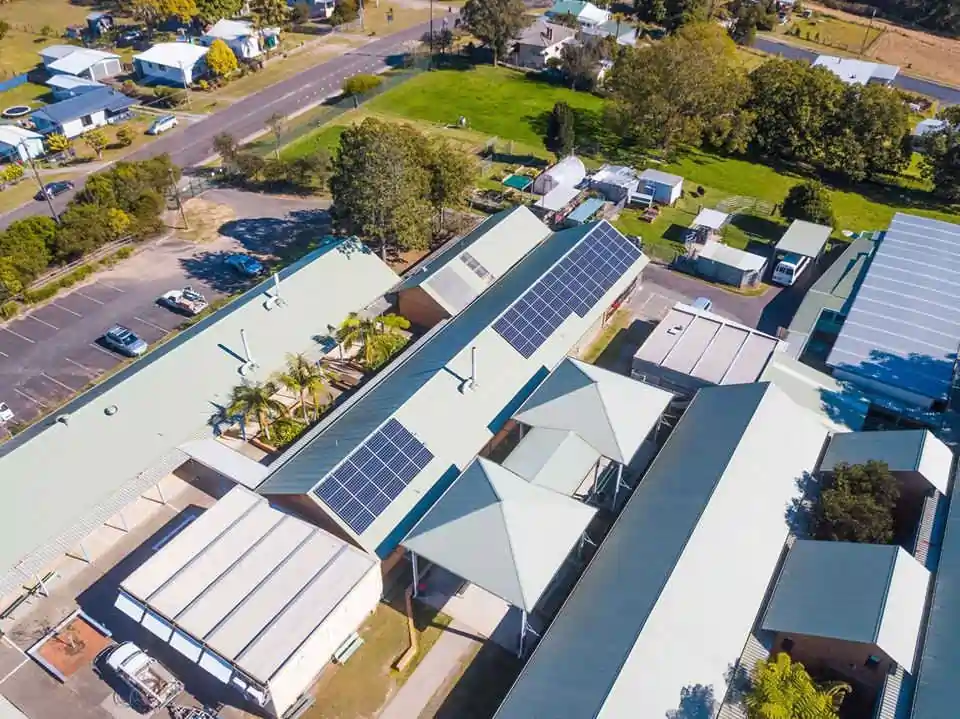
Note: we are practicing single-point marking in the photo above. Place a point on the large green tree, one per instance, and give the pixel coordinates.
(269, 13)
(654, 11)
(257, 399)
(27, 244)
(680, 13)
(209, 11)
(580, 63)
(782, 689)
(378, 338)
(453, 173)
(380, 185)
(941, 162)
(561, 130)
(857, 504)
(808, 201)
(496, 23)
(675, 92)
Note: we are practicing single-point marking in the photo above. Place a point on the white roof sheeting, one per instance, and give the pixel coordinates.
(661, 178)
(173, 54)
(79, 60)
(249, 581)
(14, 135)
(673, 592)
(229, 463)
(804, 238)
(197, 371)
(618, 175)
(553, 458)
(54, 52)
(865, 593)
(714, 219)
(225, 29)
(732, 257)
(569, 172)
(558, 198)
(500, 532)
(929, 126)
(856, 72)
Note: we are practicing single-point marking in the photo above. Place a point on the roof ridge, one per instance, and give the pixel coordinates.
(513, 555)
(886, 592)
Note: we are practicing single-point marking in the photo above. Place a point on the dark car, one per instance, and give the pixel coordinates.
(129, 38)
(245, 265)
(52, 189)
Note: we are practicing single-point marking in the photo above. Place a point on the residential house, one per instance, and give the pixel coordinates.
(174, 63)
(318, 8)
(586, 13)
(80, 62)
(77, 115)
(541, 42)
(19, 144)
(239, 35)
(624, 33)
(67, 86)
(858, 72)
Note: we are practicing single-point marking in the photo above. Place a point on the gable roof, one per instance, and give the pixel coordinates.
(804, 238)
(70, 82)
(102, 98)
(81, 59)
(856, 72)
(545, 34)
(553, 458)
(496, 530)
(612, 413)
(173, 54)
(583, 10)
(864, 593)
(13, 135)
(53, 52)
(732, 257)
(660, 177)
(225, 29)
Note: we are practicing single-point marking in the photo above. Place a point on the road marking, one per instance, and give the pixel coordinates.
(101, 349)
(151, 324)
(53, 327)
(65, 309)
(84, 367)
(107, 284)
(92, 299)
(26, 396)
(56, 381)
(17, 334)
(4, 354)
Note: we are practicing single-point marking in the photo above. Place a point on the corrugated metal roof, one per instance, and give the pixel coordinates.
(81, 59)
(69, 82)
(54, 52)
(173, 54)
(673, 592)
(197, 370)
(586, 209)
(904, 325)
(552, 458)
(104, 98)
(13, 135)
(661, 178)
(865, 593)
(804, 238)
(230, 29)
(725, 255)
(714, 219)
(500, 532)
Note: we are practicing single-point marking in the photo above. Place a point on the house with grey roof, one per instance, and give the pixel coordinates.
(76, 115)
(663, 187)
(541, 42)
(80, 62)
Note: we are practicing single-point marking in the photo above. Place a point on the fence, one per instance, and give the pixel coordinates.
(13, 82)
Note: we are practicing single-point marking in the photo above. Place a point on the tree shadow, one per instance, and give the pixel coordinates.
(758, 227)
(483, 686)
(696, 702)
(212, 268)
(801, 512)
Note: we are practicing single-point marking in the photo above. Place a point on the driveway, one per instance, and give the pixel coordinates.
(52, 353)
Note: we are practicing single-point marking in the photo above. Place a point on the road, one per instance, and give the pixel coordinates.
(943, 93)
(192, 143)
(53, 352)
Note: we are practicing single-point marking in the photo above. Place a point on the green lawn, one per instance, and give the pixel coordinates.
(833, 32)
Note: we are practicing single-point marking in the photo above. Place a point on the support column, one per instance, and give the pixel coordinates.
(41, 585)
(523, 631)
(416, 575)
(616, 487)
(163, 500)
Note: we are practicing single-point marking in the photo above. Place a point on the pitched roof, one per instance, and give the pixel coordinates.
(675, 588)
(173, 54)
(103, 98)
(581, 9)
(660, 177)
(545, 34)
(804, 238)
(714, 219)
(856, 72)
(58, 51)
(864, 593)
(612, 413)
(496, 530)
(70, 82)
(553, 458)
(14, 135)
(732, 257)
(79, 60)
(230, 29)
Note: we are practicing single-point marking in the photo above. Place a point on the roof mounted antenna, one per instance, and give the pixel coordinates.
(251, 364)
(275, 300)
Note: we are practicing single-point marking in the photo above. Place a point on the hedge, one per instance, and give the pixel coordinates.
(44, 293)
(9, 310)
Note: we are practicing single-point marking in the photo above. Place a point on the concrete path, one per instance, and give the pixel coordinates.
(440, 663)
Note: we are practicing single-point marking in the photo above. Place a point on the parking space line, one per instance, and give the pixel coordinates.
(83, 367)
(56, 381)
(4, 354)
(101, 349)
(92, 299)
(28, 397)
(17, 334)
(53, 327)
(107, 284)
(65, 309)
(151, 324)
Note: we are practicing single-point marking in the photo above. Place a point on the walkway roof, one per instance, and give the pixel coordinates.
(674, 590)
(804, 238)
(197, 370)
(500, 532)
(612, 413)
(553, 458)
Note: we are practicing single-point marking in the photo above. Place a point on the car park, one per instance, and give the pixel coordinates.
(187, 301)
(52, 189)
(162, 124)
(245, 265)
(125, 341)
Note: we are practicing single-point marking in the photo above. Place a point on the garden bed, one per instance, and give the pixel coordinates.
(71, 645)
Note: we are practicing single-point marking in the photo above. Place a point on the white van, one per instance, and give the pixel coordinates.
(162, 124)
(789, 269)
(6, 414)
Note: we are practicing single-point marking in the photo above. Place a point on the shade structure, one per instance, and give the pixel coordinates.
(500, 532)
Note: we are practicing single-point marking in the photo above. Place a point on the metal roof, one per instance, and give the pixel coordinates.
(426, 391)
(230, 29)
(14, 135)
(81, 59)
(619, 175)
(225, 461)
(865, 593)
(580, 9)
(545, 34)
(903, 450)
(856, 72)
(553, 458)
(69, 82)
(173, 54)
(612, 413)
(904, 325)
(103, 98)
(586, 209)
(714, 219)
(558, 198)
(732, 257)
(804, 238)
(500, 532)
(661, 178)
(248, 581)
(670, 597)
(58, 51)
(197, 370)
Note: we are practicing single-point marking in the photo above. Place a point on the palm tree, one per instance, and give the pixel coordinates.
(319, 382)
(256, 398)
(782, 688)
(296, 377)
(378, 336)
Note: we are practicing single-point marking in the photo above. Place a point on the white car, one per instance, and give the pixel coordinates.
(187, 300)
(162, 124)
(6, 414)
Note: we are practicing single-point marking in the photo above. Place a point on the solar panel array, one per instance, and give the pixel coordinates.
(574, 285)
(374, 475)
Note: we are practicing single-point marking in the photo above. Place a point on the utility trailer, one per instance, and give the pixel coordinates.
(149, 679)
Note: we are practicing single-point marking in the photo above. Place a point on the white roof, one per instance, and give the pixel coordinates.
(856, 72)
(70, 82)
(553, 458)
(593, 14)
(928, 126)
(558, 198)
(569, 171)
(732, 257)
(249, 581)
(804, 238)
(197, 370)
(661, 178)
(612, 413)
(173, 54)
(57, 51)
(79, 60)
(865, 593)
(618, 175)
(225, 461)
(672, 594)
(500, 532)
(714, 219)
(14, 135)
(230, 29)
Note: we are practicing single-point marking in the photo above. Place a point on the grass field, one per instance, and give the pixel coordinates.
(18, 51)
(833, 32)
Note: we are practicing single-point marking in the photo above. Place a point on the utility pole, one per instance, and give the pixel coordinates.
(36, 174)
(176, 194)
(362, 26)
(431, 35)
(866, 33)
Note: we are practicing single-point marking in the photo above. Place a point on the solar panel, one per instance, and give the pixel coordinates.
(574, 285)
(374, 475)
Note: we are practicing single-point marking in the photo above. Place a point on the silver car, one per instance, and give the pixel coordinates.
(123, 340)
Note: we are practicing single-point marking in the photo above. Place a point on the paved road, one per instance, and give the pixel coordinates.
(943, 93)
(192, 143)
(48, 355)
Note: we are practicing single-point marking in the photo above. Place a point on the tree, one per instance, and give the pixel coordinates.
(378, 338)
(344, 11)
(220, 59)
(276, 123)
(808, 201)
(495, 23)
(654, 11)
(83, 227)
(561, 131)
(567, 19)
(453, 174)
(300, 13)
(96, 140)
(580, 63)
(124, 136)
(685, 12)
(256, 398)
(380, 185)
(117, 222)
(858, 504)
(269, 13)
(169, 97)
(26, 246)
(359, 85)
(782, 689)
(209, 11)
(677, 91)
(183, 10)
(10, 282)
(941, 162)
(58, 142)
(296, 377)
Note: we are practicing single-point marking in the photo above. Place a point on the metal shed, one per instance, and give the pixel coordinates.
(804, 238)
(729, 265)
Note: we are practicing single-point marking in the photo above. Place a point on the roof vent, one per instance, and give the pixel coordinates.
(675, 330)
(111, 410)
(275, 300)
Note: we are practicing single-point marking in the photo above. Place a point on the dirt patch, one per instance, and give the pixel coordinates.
(73, 646)
(204, 219)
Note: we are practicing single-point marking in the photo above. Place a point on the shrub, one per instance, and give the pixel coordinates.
(169, 97)
(41, 294)
(9, 310)
(285, 431)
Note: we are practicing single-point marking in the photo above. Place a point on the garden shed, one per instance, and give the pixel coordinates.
(664, 187)
(729, 265)
(569, 172)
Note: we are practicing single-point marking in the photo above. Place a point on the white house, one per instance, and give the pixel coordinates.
(80, 62)
(586, 13)
(19, 143)
(73, 117)
(239, 35)
(177, 63)
(858, 72)
(541, 42)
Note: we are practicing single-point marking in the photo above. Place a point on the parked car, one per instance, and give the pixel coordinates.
(162, 124)
(245, 265)
(187, 301)
(123, 340)
(6, 414)
(129, 38)
(52, 189)
(702, 303)
(154, 684)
